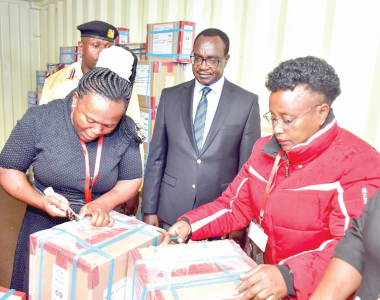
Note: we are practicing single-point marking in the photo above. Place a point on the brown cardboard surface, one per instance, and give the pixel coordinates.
(194, 271)
(93, 268)
(181, 42)
(11, 215)
(162, 75)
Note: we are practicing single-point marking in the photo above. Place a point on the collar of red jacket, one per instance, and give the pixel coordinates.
(311, 147)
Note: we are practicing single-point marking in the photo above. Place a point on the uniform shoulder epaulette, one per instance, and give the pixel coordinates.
(60, 67)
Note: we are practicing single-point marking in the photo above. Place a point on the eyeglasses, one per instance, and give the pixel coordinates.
(284, 123)
(210, 62)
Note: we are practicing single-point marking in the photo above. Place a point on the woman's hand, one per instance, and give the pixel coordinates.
(262, 282)
(99, 210)
(54, 205)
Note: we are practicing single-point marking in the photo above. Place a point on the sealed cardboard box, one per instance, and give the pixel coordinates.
(153, 76)
(69, 55)
(77, 261)
(11, 294)
(137, 48)
(51, 67)
(40, 77)
(148, 120)
(32, 99)
(123, 37)
(203, 270)
(170, 41)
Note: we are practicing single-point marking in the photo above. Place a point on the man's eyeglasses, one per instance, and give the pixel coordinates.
(210, 62)
(285, 123)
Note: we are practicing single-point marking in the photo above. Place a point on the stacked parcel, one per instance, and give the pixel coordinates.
(206, 270)
(76, 261)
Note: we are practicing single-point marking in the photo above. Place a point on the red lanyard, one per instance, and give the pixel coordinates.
(270, 184)
(87, 189)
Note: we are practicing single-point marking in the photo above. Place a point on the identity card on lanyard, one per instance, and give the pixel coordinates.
(87, 188)
(256, 232)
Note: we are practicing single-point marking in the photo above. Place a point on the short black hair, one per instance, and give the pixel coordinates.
(312, 71)
(216, 32)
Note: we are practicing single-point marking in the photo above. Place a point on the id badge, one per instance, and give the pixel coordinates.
(258, 236)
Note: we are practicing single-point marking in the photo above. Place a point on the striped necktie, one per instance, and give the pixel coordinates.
(200, 118)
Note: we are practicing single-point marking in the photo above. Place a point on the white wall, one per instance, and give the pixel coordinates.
(262, 32)
(19, 59)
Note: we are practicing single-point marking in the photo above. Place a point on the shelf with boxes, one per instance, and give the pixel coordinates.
(167, 50)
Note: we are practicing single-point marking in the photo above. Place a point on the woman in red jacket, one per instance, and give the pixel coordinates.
(302, 185)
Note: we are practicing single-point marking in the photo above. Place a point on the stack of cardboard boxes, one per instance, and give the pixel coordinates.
(167, 51)
(69, 55)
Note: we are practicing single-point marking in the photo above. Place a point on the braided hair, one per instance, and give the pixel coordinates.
(110, 85)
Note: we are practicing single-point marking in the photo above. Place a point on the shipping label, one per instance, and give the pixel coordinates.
(169, 81)
(145, 122)
(142, 72)
(187, 42)
(162, 42)
(118, 290)
(60, 283)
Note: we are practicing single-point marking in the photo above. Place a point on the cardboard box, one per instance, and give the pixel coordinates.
(203, 270)
(123, 37)
(172, 42)
(153, 76)
(148, 120)
(137, 48)
(32, 99)
(69, 55)
(51, 67)
(40, 77)
(77, 261)
(11, 294)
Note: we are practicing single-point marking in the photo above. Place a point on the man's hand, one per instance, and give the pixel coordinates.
(99, 210)
(262, 282)
(151, 219)
(181, 229)
(234, 235)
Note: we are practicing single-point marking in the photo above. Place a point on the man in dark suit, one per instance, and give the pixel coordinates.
(205, 130)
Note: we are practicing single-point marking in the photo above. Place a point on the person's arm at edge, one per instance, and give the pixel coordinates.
(339, 282)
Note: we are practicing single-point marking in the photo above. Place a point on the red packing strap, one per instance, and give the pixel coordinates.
(87, 189)
(270, 184)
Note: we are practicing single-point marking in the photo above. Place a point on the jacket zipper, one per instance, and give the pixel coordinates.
(287, 169)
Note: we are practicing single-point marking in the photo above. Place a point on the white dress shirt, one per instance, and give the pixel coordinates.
(213, 98)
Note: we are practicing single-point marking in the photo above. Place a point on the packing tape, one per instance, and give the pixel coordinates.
(90, 249)
(7, 294)
(211, 279)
